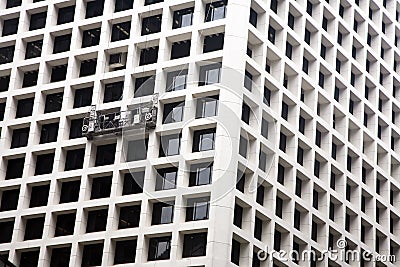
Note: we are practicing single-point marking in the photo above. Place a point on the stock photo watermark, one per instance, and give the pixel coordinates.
(341, 254)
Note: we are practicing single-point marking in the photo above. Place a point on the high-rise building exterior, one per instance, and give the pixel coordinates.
(199, 133)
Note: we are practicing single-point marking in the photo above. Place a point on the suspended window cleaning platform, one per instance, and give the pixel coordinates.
(141, 115)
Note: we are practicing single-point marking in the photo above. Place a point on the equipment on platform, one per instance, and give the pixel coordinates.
(138, 116)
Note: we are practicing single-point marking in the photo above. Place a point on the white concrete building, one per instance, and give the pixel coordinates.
(274, 126)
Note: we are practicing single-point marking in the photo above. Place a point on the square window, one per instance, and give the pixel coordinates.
(125, 251)
(159, 248)
(215, 10)
(121, 5)
(10, 26)
(49, 133)
(66, 15)
(213, 42)
(210, 74)
(91, 37)
(44, 164)
(7, 54)
(148, 56)
(69, 191)
(83, 97)
(96, 220)
(194, 245)
(144, 86)
(204, 140)
(101, 187)
(163, 213)
(33, 49)
(4, 83)
(76, 129)
(183, 18)
(129, 217)
(38, 21)
(53, 102)
(62, 43)
(207, 107)
(65, 224)
(200, 174)
(113, 92)
(6, 231)
(180, 49)
(29, 258)
(74, 159)
(15, 168)
(173, 112)
(60, 257)
(88, 67)
(13, 3)
(94, 8)
(176, 80)
(34, 228)
(105, 155)
(150, 2)
(166, 178)
(170, 145)
(39, 196)
(9, 200)
(30, 78)
(20, 137)
(121, 31)
(151, 24)
(92, 255)
(59, 73)
(197, 209)
(137, 150)
(133, 183)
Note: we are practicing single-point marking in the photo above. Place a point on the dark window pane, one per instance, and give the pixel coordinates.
(4, 83)
(101, 187)
(29, 258)
(94, 8)
(144, 86)
(13, 3)
(10, 26)
(137, 150)
(65, 15)
(159, 248)
(38, 21)
(58, 73)
(96, 220)
(125, 251)
(20, 137)
(34, 228)
(129, 217)
(83, 97)
(44, 164)
(15, 168)
(7, 54)
(60, 257)
(173, 112)
(113, 92)
(180, 49)
(65, 224)
(49, 133)
(33, 49)
(88, 67)
(6, 230)
(76, 128)
(151, 24)
(197, 209)
(121, 5)
(204, 140)
(166, 178)
(70, 191)
(162, 213)
(200, 174)
(62, 43)
(9, 200)
(39, 196)
(53, 102)
(133, 183)
(176, 80)
(30, 78)
(105, 155)
(170, 145)
(213, 43)
(92, 255)
(215, 10)
(74, 159)
(150, 2)
(148, 56)
(194, 245)
(121, 31)
(90, 37)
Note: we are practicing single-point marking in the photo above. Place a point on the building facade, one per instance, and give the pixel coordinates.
(220, 130)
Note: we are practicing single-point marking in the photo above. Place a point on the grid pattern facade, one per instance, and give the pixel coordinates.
(317, 97)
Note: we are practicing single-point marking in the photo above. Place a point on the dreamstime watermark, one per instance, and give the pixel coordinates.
(341, 254)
